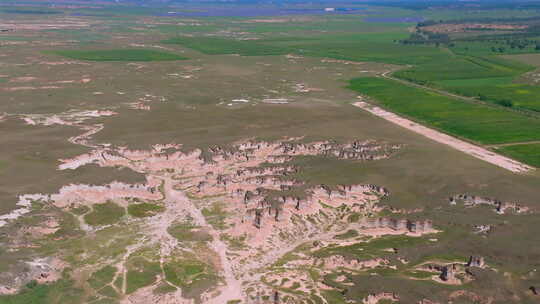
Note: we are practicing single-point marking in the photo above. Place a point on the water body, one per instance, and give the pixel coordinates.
(258, 11)
(394, 19)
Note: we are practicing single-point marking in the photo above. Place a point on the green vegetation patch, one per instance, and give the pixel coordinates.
(347, 235)
(61, 291)
(102, 277)
(191, 275)
(189, 233)
(487, 125)
(141, 272)
(119, 55)
(104, 214)
(359, 47)
(80, 210)
(144, 209)
(501, 91)
(108, 291)
(463, 67)
(214, 46)
(527, 153)
(215, 216)
(419, 274)
(164, 288)
(69, 227)
(487, 78)
(372, 248)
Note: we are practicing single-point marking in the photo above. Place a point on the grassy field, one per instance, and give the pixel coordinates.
(422, 175)
(503, 91)
(357, 47)
(213, 46)
(489, 79)
(471, 121)
(141, 272)
(190, 274)
(529, 153)
(61, 291)
(463, 67)
(119, 55)
(104, 214)
(487, 48)
(144, 209)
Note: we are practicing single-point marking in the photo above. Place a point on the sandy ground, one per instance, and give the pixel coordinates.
(463, 146)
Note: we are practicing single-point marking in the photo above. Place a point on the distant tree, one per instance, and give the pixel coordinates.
(505, 103)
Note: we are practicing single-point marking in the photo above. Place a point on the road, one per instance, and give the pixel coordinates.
(458, 144)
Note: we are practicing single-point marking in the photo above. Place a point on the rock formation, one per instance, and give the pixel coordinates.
(476, 261)
(374, 298)
(499, 206)
(400, 225)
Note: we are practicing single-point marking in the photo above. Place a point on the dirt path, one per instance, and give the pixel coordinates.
(463, 146)
(232, 290)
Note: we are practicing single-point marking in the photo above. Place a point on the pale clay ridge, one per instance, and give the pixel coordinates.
(235, 176)
(463, 146)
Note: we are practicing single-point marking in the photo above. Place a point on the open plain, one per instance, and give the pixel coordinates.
(208, 153)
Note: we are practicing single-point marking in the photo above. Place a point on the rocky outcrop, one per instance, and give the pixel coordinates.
(357, 150)
(262, 208)
(476, 261)
(482, 229)
(374, 298)
(338, 261)
(448, 273)
(499, 206)
(453, 273)
(404, 225)
(469, 297)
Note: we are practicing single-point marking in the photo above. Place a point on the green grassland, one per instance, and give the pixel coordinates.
(62, 291)
(489, 79)
(372, 248)
(104, 214)
(102, 277)
(421, 175)
(467, 120)
(358, 47)
(186, 232)
(141, 272)
(119, 55)
(190, 274)
(213, 46)
(463, 67)
(473, 73)
(487, 48)
(529, 153)
(502, 91)
(144, 209)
